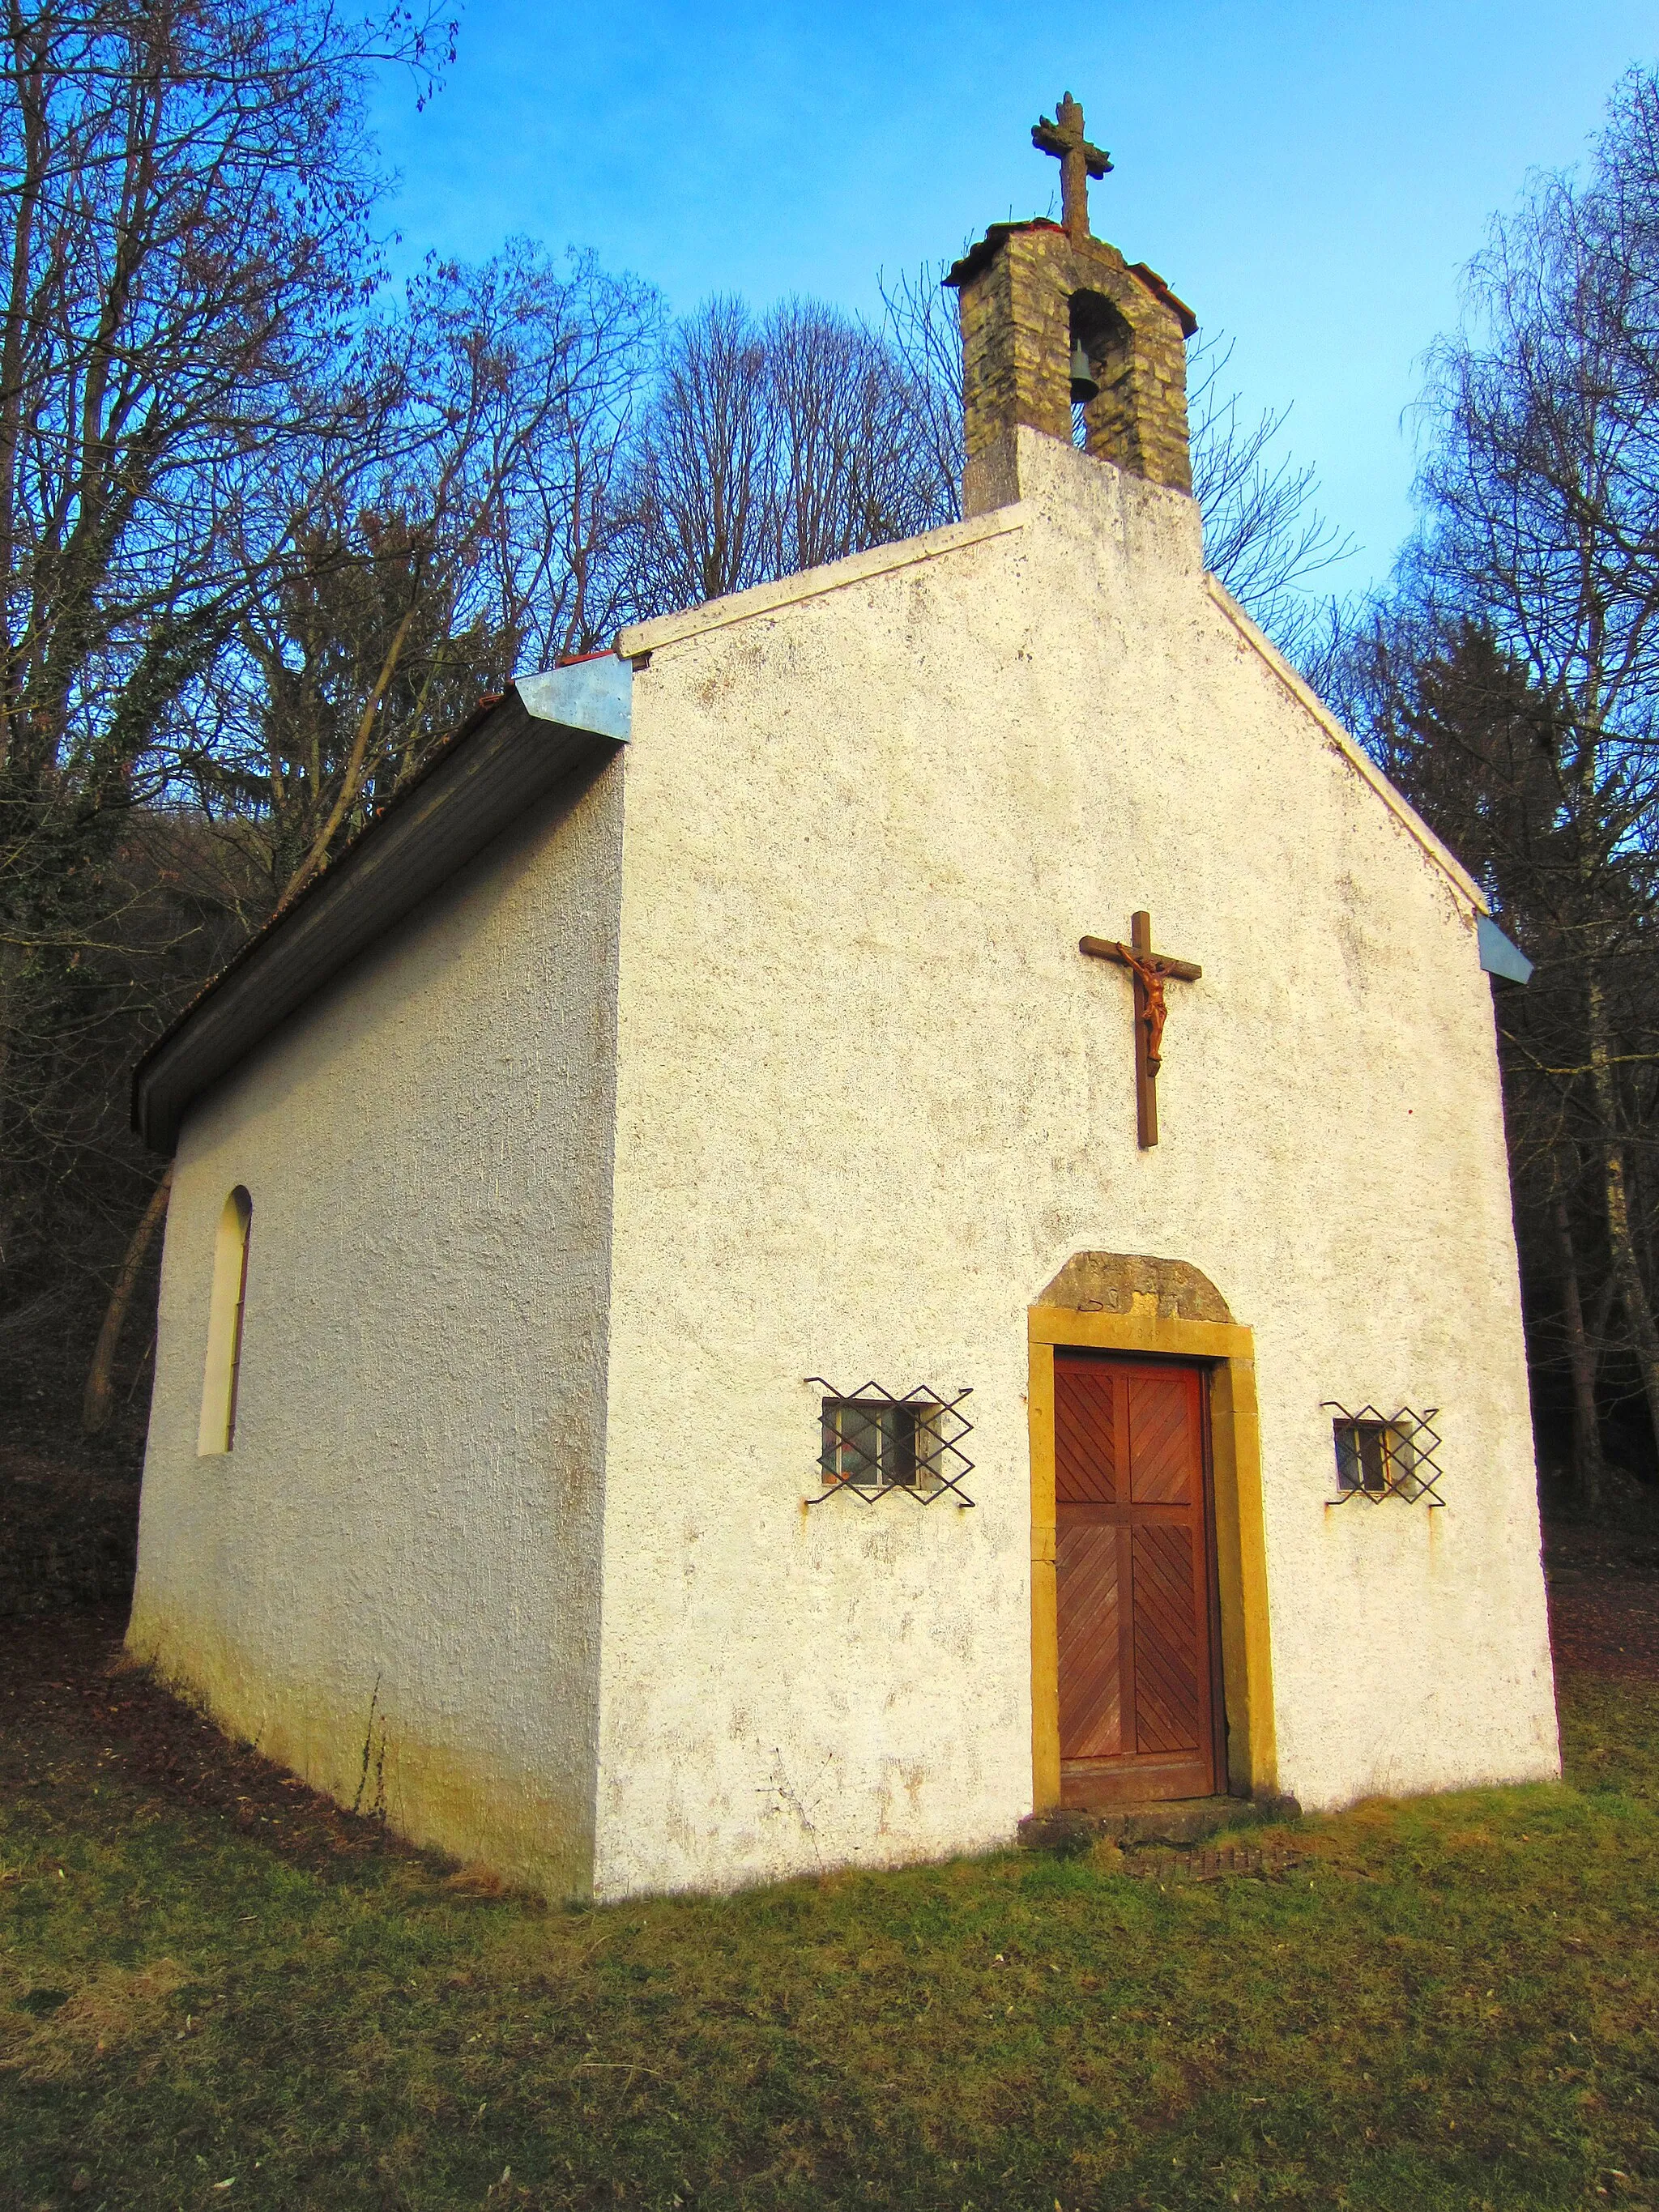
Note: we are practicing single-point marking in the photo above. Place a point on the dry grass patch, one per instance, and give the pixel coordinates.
(54, 2035)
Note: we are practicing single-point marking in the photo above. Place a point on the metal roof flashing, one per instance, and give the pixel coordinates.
(543, 730)
(1499, 957)
(595, 693)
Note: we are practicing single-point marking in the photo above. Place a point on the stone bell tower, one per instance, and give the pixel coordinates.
(1050, 316)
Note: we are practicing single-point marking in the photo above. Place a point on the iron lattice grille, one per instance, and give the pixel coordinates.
(1381, 1455)
(874, 1443)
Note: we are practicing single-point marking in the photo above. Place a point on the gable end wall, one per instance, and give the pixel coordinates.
(871, 1100)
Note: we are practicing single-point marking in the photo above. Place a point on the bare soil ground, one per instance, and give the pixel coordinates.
(1604, 1601)
(67, 1674)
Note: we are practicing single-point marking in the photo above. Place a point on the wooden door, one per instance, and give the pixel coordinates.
(1134, 1553)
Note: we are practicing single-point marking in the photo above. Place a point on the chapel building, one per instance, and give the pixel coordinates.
(884, 1208)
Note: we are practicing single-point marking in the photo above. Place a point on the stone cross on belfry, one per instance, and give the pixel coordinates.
(1079, 161)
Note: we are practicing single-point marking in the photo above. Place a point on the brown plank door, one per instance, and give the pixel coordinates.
(1135, 1554)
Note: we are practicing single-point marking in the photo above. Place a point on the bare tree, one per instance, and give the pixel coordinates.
(529, 377)
(186, 194)
(185, 212)
(924, 330)
(1263, 536)
(704, 493)
(772, 445)
(1540, 501)
(477, 529)
(853, 471)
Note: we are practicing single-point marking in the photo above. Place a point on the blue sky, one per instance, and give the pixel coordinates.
(1310, 179)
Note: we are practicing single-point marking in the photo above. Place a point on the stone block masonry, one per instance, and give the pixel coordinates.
(1027, 295)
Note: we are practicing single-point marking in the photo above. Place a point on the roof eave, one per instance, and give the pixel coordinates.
(543, 730)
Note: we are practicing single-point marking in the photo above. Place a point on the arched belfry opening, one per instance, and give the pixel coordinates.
(1047, 309)
(1101, 359)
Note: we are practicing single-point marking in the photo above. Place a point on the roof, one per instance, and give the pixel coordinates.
(1156, 285)
(985, 250)
(512, 750)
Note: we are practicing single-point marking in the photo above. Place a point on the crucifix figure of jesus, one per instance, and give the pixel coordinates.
(1150, 971)
(1079, 161)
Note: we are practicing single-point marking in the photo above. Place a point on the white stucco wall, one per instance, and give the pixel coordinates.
(870, 1099)
(409, 1525)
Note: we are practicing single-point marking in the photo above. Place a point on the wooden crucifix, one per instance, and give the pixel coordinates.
(1150, 971)
(1079, 161)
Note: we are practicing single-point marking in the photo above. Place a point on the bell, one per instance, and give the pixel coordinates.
(1084, 387)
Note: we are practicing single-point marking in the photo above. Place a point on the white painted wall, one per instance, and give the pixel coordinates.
(409, 1521)
(870, 1097)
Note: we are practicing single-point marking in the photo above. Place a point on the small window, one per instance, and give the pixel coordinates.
(217, 1431)
(873, 1442)
(1365, 1452)
(1379, 1456)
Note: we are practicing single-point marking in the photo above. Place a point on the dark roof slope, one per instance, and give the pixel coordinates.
(514, 749)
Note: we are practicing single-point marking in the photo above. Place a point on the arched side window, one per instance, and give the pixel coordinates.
(217, 1432)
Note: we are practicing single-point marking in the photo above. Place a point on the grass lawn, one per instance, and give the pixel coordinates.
(1449, 2003)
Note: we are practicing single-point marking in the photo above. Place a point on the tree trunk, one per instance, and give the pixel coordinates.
(1581, 1360)
(1632, 1291)
(1626, 1268)
(100, 1394)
